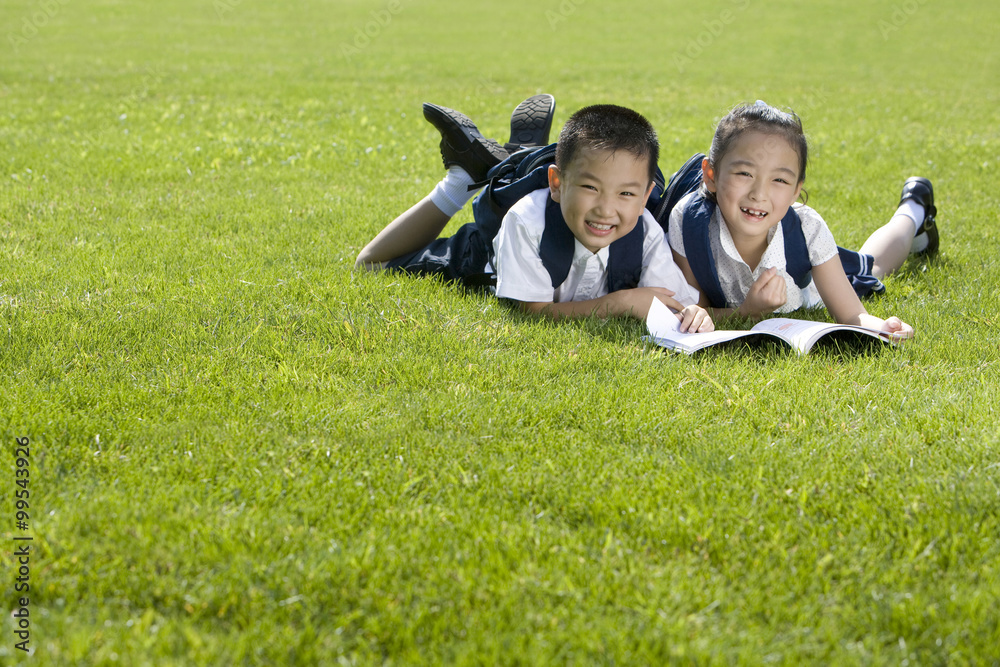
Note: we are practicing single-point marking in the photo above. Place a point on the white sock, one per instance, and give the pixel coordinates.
(452, 193)
(914, 212)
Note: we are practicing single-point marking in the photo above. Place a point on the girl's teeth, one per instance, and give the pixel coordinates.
(759, 214)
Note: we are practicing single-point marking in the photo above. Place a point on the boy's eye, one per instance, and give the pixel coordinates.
(628, 194)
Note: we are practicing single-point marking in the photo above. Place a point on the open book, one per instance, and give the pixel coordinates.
(800, 335)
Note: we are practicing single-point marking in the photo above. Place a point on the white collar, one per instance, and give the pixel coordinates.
(774, 254)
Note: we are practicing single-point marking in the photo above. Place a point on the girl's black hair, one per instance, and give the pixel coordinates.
(608, 127)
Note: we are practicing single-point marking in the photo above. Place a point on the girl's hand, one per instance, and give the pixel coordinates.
(766, 295)
(897, 328)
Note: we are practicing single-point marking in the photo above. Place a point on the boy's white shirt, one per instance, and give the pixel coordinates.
(522, 276)
(735, 276)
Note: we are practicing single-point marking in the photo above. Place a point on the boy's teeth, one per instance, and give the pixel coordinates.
(602, 228)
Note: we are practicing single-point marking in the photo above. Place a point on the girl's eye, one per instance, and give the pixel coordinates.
(628, 194)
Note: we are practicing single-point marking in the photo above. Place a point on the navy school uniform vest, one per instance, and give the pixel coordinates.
(697, 215)
(558, 244)
(527, 171)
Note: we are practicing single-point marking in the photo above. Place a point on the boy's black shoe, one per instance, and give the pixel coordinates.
(921, 191)
(461, 142)
(531, 122)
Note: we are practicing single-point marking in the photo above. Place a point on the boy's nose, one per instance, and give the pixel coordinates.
(604, 207)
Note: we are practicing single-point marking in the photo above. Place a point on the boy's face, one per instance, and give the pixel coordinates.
(754, 183)
(601, 194)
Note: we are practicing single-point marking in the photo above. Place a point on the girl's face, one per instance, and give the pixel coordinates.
(754, 183)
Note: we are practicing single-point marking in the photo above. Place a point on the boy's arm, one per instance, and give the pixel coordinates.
(630, 302)
(845, 306)
(633, 302)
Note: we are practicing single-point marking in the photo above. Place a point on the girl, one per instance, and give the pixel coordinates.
(750, 181)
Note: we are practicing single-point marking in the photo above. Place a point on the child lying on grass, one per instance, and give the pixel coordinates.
(733, 238)
(603, 174)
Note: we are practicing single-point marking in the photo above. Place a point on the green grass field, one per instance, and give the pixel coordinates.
(242, 452)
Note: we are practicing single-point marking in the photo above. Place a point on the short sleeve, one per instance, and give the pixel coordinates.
(520, 273)
(675, 231)
(819, 239)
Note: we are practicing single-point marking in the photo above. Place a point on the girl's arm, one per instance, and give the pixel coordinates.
(845, 306)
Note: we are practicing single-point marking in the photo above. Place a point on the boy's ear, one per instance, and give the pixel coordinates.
(555, 180)
(649, 191)
(708, 176)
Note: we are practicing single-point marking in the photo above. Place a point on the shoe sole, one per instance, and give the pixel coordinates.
(531, 122)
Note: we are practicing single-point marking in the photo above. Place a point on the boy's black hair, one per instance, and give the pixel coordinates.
(759, 117)
(608, 127)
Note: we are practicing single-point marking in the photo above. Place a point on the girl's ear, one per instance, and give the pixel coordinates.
(708, 176)
(555, 181)
(798, 191)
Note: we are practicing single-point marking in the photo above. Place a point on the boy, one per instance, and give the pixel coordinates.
(597, 190)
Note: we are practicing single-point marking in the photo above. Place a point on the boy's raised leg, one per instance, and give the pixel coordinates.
(462, 144)
(408, 233)
(468, 156)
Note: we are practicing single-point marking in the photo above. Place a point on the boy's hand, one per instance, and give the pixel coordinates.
(695, 319)
(767, 294)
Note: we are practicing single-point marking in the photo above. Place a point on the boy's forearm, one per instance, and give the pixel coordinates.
(600, 307)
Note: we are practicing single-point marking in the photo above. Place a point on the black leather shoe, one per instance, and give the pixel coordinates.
(530, 122)
(921, 191)
(461, 142)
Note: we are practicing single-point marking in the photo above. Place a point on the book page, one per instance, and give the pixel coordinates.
(803, 334)
(664, 330)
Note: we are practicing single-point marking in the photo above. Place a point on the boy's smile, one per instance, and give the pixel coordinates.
(601, 195)
(755, 183)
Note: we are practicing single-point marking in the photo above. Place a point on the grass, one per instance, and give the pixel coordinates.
(242, 452)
